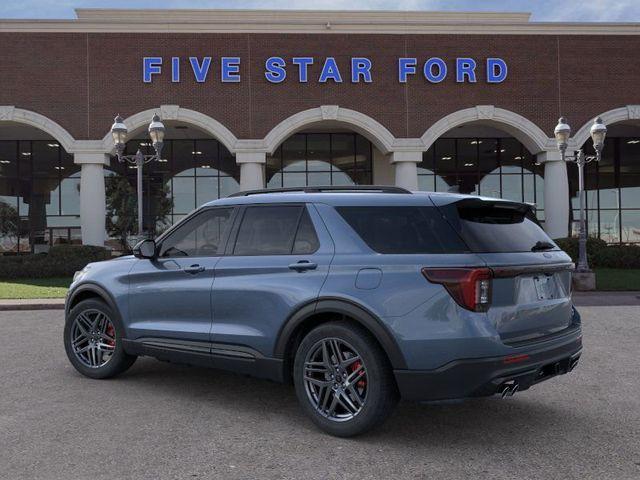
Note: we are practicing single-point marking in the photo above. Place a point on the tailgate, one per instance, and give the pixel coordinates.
(531, 286)
(531, 298)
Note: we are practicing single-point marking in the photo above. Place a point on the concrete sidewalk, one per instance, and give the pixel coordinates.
(606, 299)
(581, 299)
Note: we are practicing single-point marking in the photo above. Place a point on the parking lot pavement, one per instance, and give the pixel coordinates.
(165, 421)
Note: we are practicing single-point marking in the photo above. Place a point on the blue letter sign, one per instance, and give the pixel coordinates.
(330, 71)
(428, 70)
(434, 69)
(303, 66)
(200, 71)
(230, 71)
(406, 66)
(496, 70)
(275, 69)
(151, 66)
(360, 67)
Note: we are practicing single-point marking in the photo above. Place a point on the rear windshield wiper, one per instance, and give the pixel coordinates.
(542, 246)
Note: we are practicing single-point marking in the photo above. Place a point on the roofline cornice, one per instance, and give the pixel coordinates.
(311, 22)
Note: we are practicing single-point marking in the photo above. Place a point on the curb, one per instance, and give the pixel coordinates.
(20, 305)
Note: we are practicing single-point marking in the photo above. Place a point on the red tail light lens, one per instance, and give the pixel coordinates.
(469, 287)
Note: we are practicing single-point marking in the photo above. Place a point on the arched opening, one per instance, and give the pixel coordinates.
(612, 186)
(479, 159)
(328, 145)
(39, 190)
(322, 155)
(195, 168)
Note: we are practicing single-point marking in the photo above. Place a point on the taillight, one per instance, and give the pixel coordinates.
(469, 287)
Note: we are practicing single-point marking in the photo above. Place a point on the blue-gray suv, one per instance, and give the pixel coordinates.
(357, 295)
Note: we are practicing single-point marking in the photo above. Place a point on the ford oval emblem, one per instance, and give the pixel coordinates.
(547, 255)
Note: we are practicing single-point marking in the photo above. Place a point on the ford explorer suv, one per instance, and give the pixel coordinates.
(358, 296)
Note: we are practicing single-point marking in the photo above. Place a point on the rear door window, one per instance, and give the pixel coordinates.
(403, 230)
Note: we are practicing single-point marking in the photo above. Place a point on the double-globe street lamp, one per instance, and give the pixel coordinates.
(119, 133)
(562, 133)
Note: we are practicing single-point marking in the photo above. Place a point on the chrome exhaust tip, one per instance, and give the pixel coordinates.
(574, 363)
(508, 389)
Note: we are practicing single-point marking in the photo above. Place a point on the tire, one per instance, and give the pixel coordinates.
(99, 352)
(369, 379)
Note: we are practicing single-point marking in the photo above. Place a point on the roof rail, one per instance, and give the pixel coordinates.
(326, 188)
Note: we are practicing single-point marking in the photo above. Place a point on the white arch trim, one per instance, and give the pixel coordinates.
(531, 136)
(177, 113)
(382, 138)
(629, 112)
(9, 113)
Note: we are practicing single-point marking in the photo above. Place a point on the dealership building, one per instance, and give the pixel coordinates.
(431, 101)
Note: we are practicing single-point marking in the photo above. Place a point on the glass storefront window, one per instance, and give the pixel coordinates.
(493, 167)
(39, 195)
(612, 191)
(320, 159)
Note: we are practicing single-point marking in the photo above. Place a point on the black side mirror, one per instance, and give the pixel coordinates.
(145, 249)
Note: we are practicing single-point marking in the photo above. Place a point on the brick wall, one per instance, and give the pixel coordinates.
(82, 80)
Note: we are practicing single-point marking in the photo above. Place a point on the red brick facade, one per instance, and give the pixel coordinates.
(80, 80)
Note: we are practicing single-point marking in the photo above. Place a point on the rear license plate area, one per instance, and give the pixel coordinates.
(545, 287)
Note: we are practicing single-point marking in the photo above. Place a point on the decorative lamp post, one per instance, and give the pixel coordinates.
(562, 133)
(156, 132)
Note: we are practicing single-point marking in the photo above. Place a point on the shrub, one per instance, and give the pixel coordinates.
(61, 261)
(599, 254)
(618, 256)
(570, 245)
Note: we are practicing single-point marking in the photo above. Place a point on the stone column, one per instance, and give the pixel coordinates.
(92, 197)
(251, 170)
(406, 168)
(556, 194)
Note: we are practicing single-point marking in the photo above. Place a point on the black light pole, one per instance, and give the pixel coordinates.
(562, 133)
(156, 132)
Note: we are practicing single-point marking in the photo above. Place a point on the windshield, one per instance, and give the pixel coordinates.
(496, 227)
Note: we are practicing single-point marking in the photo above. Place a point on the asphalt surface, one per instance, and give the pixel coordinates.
(165, 421)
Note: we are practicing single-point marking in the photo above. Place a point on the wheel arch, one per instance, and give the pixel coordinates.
(324, 310)
(87, 291)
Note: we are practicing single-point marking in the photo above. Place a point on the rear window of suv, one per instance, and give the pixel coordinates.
(403, 230)
(498, 227)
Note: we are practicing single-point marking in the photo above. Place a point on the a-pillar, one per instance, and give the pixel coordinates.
(92, 196)
(251, 170)
(406, 168)
(556, 194)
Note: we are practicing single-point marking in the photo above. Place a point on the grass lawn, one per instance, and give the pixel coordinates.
(34, 288)
(617, 279)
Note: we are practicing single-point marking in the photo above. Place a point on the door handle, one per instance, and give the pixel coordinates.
(193, 269)
(303, 265)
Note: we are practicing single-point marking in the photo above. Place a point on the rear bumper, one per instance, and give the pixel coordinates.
(484, 377)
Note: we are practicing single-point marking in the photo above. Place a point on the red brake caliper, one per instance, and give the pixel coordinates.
(361, 383)
(112, 333)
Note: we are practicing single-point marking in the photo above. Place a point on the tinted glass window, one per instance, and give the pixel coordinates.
(306, 238)
(489, 227)
(403, 229)
(267, 230)
(200, 236)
